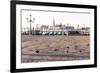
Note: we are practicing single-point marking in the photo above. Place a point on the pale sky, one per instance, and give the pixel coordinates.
(46, 18)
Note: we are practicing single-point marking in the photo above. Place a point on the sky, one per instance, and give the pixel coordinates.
(46, 18)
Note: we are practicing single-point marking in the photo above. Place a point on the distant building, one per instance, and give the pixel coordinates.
(69, 28)
(56, 27)
(85, 31)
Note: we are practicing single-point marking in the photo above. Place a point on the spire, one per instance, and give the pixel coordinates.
(53, 21)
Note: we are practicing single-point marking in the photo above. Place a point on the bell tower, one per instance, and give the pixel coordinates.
(54, 22)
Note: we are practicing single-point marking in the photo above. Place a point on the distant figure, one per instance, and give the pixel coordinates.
(37, 51)
(55, 49)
